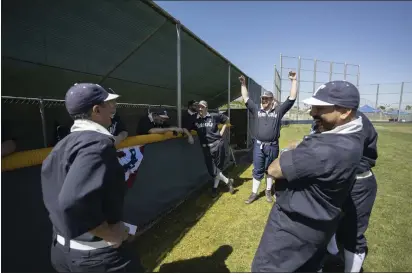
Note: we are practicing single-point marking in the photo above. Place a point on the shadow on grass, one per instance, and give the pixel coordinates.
(215, 263)
(157, 242)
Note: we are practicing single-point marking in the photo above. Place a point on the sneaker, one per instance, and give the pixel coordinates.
(269, 198)
(214, 192)
(230, 185)
(251, 198)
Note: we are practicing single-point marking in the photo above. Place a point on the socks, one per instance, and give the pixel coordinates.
(223, 178)
(353, 261)
(332, 246)
(216, 183)
(269, 182)
(255, 186)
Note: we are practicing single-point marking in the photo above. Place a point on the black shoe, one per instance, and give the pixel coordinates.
(333, 263)
(269, 197)
(251, 198)
(214, 192)
(230, 185)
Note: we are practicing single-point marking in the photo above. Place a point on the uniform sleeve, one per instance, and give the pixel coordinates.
(120, 126)
(221, 118)
(370, 149)
(286, 106)
(144, 126)
(166, 124)
(251, 106)
(189, 122)
(82, 196)
(307, 160)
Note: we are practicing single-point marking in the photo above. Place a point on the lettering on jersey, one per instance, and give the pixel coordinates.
(112, 128)
(202, 125)
(270, 114)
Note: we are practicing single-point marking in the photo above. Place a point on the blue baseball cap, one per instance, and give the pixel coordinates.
(335, 93)
(80, 98)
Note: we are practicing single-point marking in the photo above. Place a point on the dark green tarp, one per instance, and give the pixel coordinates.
(127, 45)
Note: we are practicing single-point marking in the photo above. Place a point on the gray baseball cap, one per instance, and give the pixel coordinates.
(203, 103)
(267, 94)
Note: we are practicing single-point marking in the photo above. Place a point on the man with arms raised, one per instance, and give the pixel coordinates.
(268, 117)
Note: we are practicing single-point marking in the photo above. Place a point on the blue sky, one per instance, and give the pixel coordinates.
(252, 34)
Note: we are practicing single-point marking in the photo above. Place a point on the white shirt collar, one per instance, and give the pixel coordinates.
(351, 127)
(261, 108)
(89, 125)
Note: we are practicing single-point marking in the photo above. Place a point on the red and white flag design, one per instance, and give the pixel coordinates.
(130, 158)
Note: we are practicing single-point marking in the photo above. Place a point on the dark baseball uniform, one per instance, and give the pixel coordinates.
(211, 141)
(83, 186)
(146, 124)
(266, 132)
(117, 126)
(358, 206)
(319, 174)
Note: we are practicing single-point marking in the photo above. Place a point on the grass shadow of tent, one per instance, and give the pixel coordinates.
(215, 263)
(157, 242)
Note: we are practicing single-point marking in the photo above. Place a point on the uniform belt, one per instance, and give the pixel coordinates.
(211, 144)
(364, 175)
(266, 143)
(80, 245)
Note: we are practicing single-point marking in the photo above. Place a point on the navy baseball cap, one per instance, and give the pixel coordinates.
(80, 98)
(335, 93)
(192, 102)
(267, 94)
(160, 112)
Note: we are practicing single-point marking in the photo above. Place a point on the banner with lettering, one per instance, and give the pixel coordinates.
(130, 158)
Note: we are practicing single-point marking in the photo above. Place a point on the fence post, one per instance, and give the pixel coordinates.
(228, 91)
(228, 99)
(298, 88)
(179, 78)
(400, 103)
(330, 71)
(345, 71)
(314, 76)
(43, 121)
(281, 69)
(247, 118)
(377, 96)
(274, 84)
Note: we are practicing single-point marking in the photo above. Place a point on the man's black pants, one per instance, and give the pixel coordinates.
(214, 157)
(357, 209)
(122, 259)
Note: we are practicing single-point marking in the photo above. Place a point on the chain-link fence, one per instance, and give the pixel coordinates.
(32, 122)
(380, 102)
(387, 102)
(311, 74)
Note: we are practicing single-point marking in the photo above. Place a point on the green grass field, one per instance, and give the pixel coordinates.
(203, 235)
